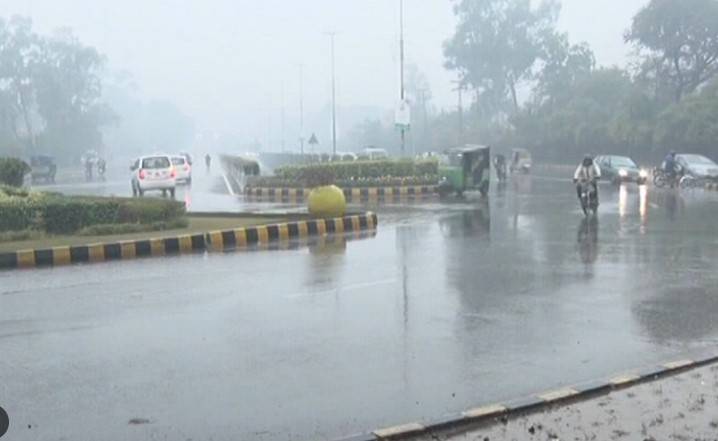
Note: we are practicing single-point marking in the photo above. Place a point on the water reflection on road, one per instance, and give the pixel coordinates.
(451, 305)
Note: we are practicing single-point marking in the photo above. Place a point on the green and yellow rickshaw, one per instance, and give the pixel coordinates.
(464, 169)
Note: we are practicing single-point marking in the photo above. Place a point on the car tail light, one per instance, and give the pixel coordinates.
(142, 174)
(173, 173)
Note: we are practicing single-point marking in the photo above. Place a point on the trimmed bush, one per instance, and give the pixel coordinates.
(323, 174)
(13, 171)
(57, 214)
(276, 182)
(112, 229)
(17, 214)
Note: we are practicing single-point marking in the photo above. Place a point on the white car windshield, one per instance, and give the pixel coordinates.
(622, 161)
(697, 160)
(178, 161)
(156, 162)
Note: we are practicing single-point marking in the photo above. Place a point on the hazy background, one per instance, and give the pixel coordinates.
(226, 62)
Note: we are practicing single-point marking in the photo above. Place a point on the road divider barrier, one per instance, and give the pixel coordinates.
(351, 194)
(712, 186)
(503, 412)
(277, 235)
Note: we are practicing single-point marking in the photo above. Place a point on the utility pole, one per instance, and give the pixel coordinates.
(459, 89)
(401, 68)
(331, 35)
(301, 108)
(283, 119)
(422, 94)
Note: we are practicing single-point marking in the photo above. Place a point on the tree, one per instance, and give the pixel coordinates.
(691, 124)
(582, 123)
(50, 90)
(496, 45)
(563, 66)
(20, 55)
(677, 44)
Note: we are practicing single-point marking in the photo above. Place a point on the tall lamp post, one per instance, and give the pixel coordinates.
(334, 95)
(401, 69)
(301, 108)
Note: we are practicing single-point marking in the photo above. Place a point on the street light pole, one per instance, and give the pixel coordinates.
(301, 108)
(460, 108)
(334, 96)
(282, 119)
(401, 68)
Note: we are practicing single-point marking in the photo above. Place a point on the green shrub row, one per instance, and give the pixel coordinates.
(330, 173)
(57, 214)
(111, 229)
(277, 182)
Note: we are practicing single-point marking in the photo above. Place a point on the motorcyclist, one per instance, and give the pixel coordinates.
(587, 171)
(101, 167)
(670, 166)
(500, 166)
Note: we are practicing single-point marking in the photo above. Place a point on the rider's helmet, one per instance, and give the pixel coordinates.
(587, 161)
(672, 153)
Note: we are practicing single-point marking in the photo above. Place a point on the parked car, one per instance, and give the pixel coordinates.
(345, 157)
(43, 169)
(697, 166)
(373, 154)
(153, 173)
(183, 169)
(619, 169)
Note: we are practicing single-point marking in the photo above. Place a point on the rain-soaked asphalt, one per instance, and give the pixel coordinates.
(449, 306)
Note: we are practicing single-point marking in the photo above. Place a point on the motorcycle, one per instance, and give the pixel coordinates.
(588, 197)
(662, 179)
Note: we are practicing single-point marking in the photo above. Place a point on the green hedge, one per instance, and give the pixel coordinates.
(13, 171)
(276, 182)
(57, 214)
(321, 174)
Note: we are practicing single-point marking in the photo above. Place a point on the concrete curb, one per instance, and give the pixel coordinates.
(243, 237)
(186, 244)
(351, 194)
(537, 402)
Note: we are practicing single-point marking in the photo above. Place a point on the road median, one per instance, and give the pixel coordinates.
(228, 231)
(352, 194)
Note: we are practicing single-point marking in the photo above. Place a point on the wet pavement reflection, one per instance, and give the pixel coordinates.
(451, 305)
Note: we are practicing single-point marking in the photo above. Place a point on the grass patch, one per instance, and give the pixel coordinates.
(195, 224)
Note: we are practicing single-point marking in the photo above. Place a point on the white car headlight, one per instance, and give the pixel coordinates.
(622, 173)
(643, 173)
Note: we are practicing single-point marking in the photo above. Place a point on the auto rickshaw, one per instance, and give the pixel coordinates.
(465, 168)
(521, 161)
(43, 169)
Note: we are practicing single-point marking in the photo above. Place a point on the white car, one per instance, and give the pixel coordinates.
(698, 166)
(183, 168)
(374, 154)
(153, 173)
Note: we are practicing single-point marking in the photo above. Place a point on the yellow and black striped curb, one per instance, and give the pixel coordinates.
(537, 402)
(212, 241)
(711, 185)
(242, 237)
(351, 194)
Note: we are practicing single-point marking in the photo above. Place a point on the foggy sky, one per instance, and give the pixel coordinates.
(224, 61)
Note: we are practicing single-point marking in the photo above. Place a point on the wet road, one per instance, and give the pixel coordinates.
(448, 307)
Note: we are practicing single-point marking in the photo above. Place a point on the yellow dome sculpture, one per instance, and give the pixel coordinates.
(327, 201)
